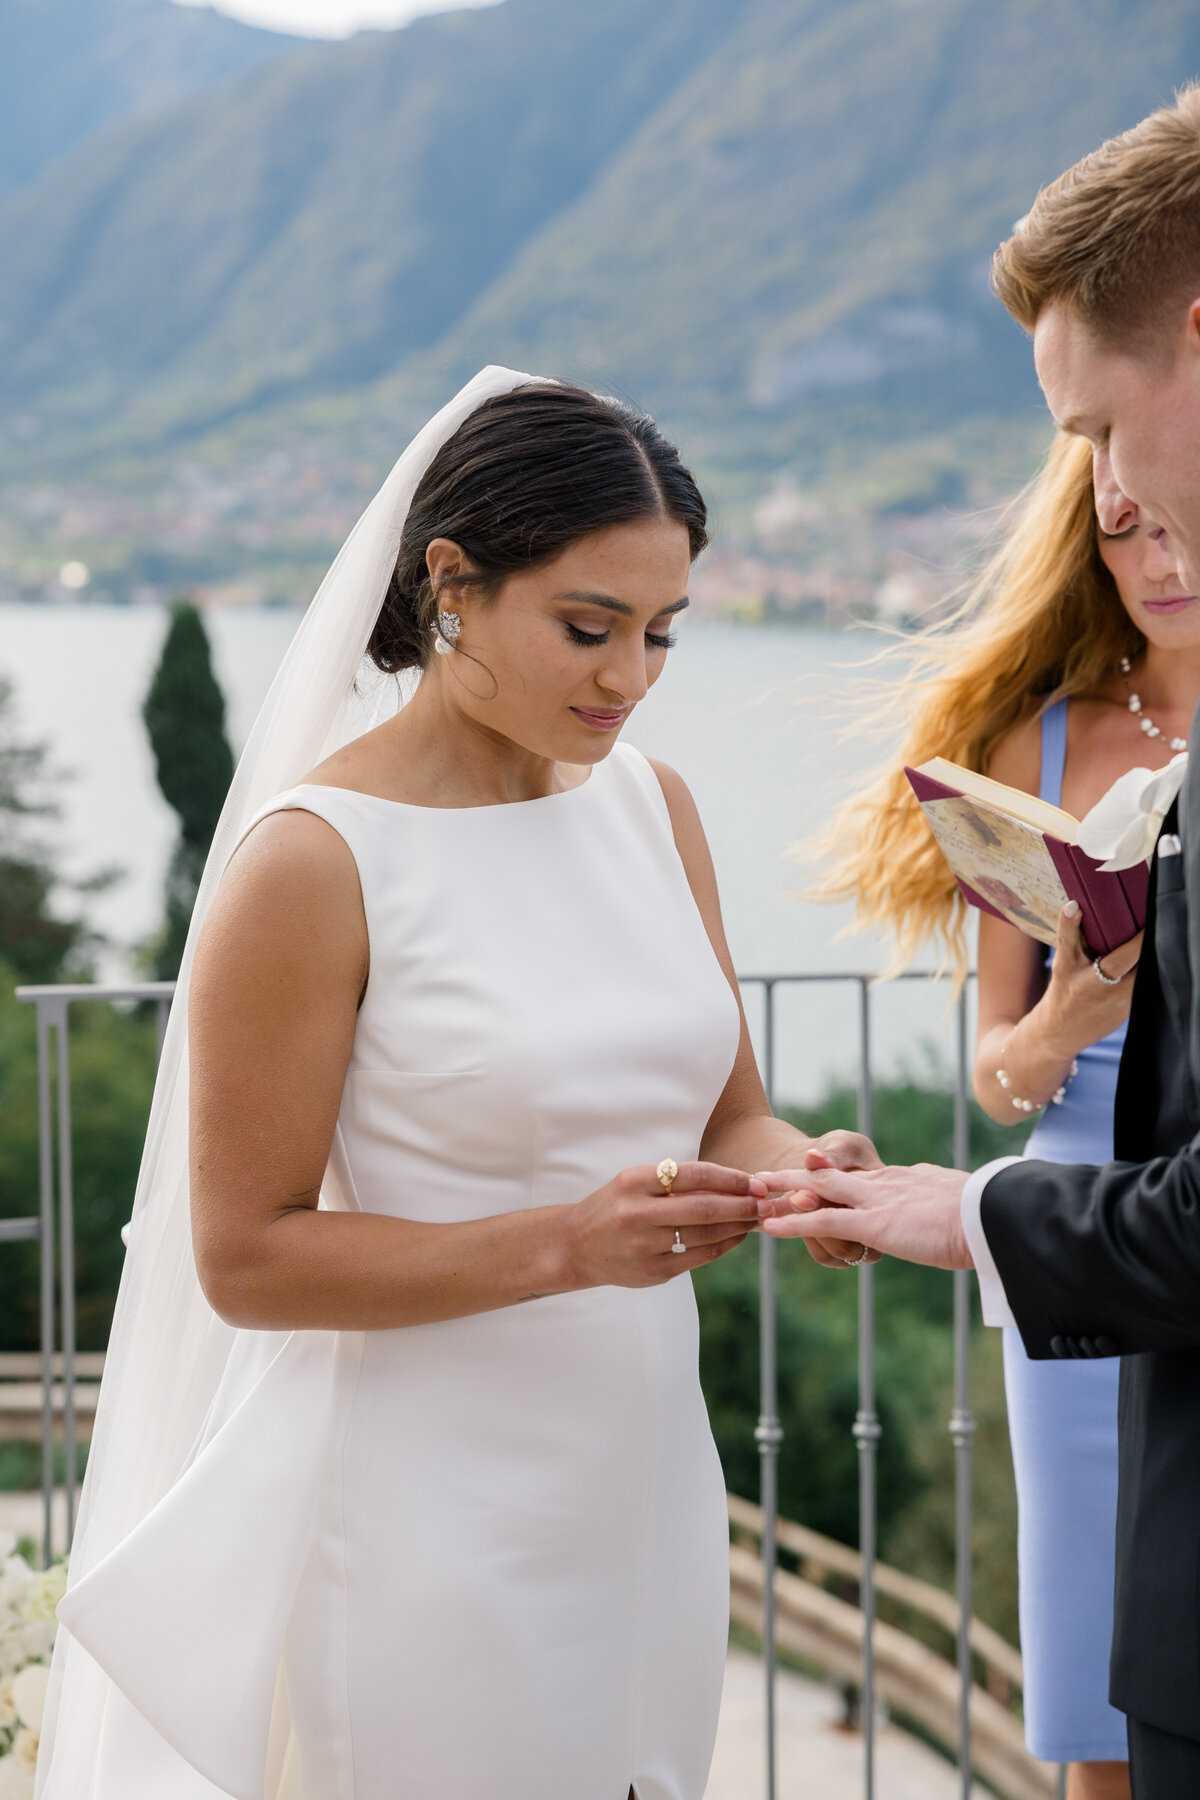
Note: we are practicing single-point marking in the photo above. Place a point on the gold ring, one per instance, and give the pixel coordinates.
(666, 1171)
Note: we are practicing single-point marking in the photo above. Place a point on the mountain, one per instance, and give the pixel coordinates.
(69, 67)
(794, 248)
(324, 216)
(769, 220)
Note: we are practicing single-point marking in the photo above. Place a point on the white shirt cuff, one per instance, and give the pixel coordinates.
(996, 1310)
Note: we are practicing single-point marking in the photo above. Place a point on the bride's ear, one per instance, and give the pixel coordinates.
(446, 562)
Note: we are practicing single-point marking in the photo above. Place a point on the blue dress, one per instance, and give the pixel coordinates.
(1062, 1420)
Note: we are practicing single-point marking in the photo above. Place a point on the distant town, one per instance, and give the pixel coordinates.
(263, 533)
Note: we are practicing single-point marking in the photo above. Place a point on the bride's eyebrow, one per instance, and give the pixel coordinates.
(617, 606)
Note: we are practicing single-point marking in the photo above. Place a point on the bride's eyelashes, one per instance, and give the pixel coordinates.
(657, 640)
(584, 637)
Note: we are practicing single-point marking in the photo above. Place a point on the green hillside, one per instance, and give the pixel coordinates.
(793, 251)
(769, 220)
(69, 67)
(323, 217)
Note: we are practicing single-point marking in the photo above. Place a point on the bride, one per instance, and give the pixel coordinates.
(403, 1486)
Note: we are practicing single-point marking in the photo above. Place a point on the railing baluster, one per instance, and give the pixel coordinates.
(867, 1429)
(50, 1003)
(768, 1433)
(962, 1422)
(46, 1217)
(66, 1256)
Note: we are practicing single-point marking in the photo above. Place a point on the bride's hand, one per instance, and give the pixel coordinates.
(624, 1235)
(835, 1150)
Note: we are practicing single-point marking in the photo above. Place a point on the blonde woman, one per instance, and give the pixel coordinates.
(1077, 659)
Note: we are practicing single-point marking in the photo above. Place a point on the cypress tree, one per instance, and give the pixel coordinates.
(184, 712)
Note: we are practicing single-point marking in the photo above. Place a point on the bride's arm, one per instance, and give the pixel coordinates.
(280, 970)
(742, 1131)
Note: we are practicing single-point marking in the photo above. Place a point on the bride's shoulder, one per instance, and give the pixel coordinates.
(684, 816)
(290, 856)
(675, 790)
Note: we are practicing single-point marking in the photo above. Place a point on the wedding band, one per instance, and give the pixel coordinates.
(852, 1262)
(678, 1248)
(666, 1171)
(1108, 980)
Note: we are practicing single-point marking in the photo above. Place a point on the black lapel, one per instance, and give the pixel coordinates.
(1188, 807)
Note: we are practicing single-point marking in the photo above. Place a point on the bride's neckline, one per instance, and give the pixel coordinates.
(330, 787)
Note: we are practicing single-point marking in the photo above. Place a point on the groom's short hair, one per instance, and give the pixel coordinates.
(1117, 238)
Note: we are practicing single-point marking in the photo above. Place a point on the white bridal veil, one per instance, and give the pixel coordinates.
(208, 1442)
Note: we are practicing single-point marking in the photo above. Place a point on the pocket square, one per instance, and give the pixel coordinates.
(1169, 844)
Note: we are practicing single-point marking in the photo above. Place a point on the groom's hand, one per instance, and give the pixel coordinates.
(834, 1150)
(911, 1213)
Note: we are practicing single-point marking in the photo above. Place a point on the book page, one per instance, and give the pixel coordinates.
(1005, 861)
(989, 793)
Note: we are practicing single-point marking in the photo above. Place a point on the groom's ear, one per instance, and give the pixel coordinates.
(1191, 330)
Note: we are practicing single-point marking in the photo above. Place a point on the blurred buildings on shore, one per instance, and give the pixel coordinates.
(265, 533)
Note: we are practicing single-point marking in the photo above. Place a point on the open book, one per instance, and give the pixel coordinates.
(1019, 858)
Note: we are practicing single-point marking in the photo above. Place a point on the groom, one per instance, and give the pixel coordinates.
(1105, 273)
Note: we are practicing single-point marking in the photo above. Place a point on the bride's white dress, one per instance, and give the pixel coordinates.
(509, 1577)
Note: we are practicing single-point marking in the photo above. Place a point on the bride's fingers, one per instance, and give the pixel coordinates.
(695, 1236)
(700, 1178)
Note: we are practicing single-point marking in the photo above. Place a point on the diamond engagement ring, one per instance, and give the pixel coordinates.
(1108, 980)
(678, 1248)
(852, 1262)
(666, 1171)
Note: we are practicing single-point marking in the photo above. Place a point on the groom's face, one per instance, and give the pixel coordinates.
(1141, 413)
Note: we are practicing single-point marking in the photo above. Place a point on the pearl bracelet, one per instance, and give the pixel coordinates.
(1032, 1106)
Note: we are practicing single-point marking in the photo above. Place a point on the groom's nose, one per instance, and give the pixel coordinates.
(1114, 510)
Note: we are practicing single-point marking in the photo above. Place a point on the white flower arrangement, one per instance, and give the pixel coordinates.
(28, 1598)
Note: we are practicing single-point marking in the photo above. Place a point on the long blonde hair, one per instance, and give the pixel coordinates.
(1043, 621)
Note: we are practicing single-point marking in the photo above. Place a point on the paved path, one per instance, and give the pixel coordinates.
(817, 1761)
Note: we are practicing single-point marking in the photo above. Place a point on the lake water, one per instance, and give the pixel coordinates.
(751, 717)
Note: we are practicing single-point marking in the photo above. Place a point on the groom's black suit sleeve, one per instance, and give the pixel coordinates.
(1103, 1262)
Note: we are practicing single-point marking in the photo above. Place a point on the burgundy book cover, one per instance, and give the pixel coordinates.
(1107, 920)
(926, 788)
(1113, 906)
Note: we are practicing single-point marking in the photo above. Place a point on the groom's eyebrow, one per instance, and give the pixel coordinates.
(617, 606)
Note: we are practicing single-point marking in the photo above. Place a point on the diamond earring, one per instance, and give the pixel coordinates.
(447, 629)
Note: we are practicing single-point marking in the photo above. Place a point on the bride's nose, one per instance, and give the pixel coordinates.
(624, 672)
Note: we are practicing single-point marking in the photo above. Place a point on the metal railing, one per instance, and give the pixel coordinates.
(56, 1196)
(866, 1428)
(56, 1193)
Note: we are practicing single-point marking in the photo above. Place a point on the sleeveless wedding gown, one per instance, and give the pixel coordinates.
(503, 1568)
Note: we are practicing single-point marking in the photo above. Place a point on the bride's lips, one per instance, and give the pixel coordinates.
(603, 718)
(1171, 603)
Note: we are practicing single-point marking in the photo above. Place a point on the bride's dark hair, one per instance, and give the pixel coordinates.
(525, 477)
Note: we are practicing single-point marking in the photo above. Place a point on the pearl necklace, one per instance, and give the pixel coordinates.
(1143, 718)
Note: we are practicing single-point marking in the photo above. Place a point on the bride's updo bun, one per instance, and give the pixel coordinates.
(525, 477)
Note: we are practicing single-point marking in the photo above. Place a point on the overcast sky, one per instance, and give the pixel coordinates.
(331, 18)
